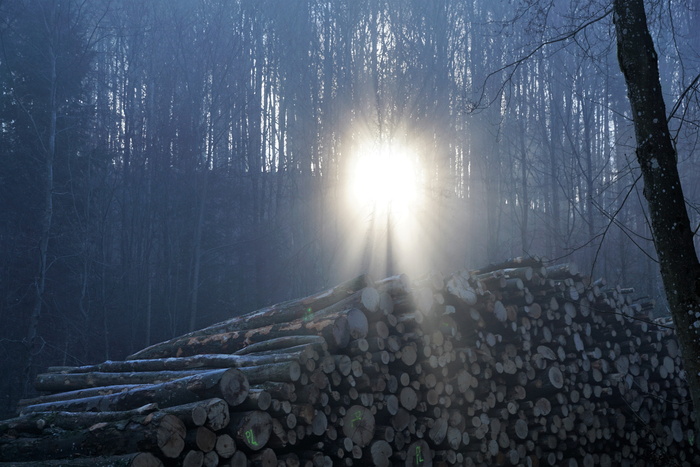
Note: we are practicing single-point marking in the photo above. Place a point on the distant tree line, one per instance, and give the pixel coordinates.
(167, 164)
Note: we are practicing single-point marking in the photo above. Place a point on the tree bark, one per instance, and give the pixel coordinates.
(673, 236)
(57, 382)
(38, 422)
(287, 342)
(49, 147)
(195, 362)
(161, 433)
(142, 459)
(291, 310)
(230, 385)
(333, 327)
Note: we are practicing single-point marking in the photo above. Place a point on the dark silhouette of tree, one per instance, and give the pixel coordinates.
(658, 160)
(45, 60)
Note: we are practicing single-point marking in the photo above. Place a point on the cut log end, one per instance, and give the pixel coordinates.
(234, 387)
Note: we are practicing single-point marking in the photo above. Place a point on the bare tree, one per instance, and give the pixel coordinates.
(45, 56)
(673, 236)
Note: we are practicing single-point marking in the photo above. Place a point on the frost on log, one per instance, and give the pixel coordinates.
(514, 364)
(673, 236)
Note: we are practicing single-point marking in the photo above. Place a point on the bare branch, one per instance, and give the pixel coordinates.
(679, 101)
(514, 65)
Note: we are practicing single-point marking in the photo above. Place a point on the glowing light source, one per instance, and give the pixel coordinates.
(385, 180)
(385, 192)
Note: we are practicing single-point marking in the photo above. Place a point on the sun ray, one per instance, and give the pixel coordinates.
(385, 196)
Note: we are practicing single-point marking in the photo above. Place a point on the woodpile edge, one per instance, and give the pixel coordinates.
(514, 364)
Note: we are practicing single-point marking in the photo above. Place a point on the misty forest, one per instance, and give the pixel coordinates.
(169, 164)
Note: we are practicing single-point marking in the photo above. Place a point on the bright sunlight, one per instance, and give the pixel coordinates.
(385, 180)
(385, 193)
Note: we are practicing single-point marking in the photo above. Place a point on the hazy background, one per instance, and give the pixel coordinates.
(170, 163)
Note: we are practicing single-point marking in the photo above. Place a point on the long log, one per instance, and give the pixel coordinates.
(296, 309)
(202, 361)
(57, 382)
(162, 433)
(302, 309)
(38, 422)
(140, 459)
(280, 343)
(511, 263)
(77, 394)
(228, 384)
(276, 372)
(334, 329)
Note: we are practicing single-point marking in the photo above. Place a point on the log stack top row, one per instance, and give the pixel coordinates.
(519, 363)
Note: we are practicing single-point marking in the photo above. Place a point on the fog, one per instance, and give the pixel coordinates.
(168, 164)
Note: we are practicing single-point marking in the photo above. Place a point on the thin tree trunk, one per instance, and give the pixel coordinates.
(197, 253)
(589, 176)
(46, 222)
(493, 200)
(524, 193)
(673, 237)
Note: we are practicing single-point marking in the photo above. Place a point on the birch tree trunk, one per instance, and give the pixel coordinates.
(673, 237)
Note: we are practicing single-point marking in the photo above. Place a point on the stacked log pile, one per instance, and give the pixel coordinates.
(515, 364)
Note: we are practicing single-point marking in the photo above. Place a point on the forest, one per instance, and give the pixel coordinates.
(168, 164)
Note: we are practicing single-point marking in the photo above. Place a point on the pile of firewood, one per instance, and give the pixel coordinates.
(515, 364)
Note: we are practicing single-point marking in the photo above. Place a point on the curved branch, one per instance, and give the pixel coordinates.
(516, 63)
(676, 106)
